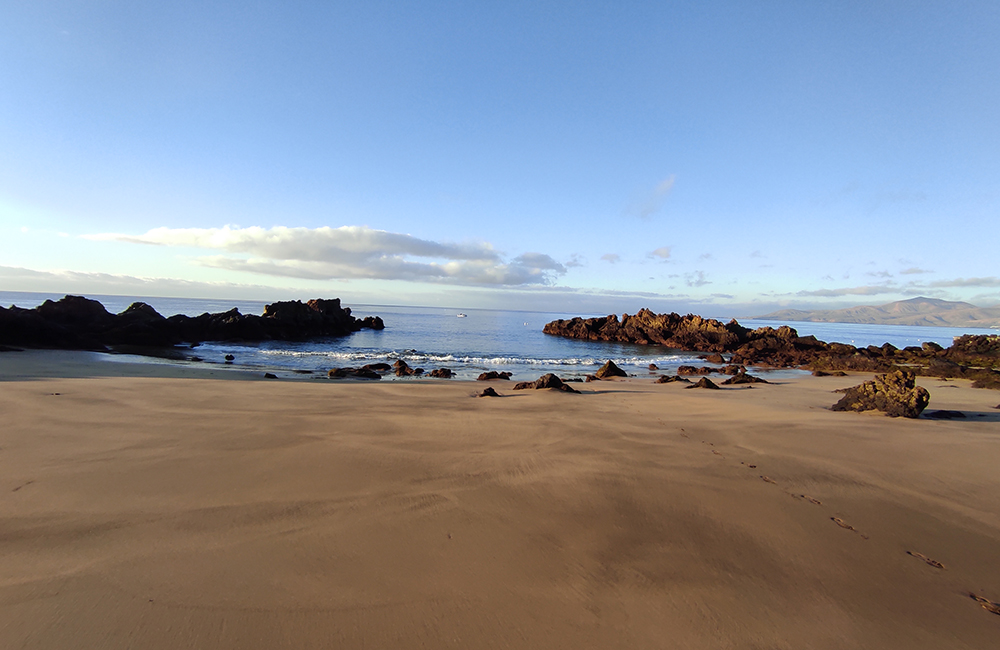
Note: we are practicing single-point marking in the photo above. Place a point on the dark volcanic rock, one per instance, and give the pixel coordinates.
(493, 374)
(744, 378)
(404, 370)
(893, 393)
(715, 358)
(441, 373)
(609, 370)
(704, 382)
(356, 373)
(378, 367)
(672, 330)
(691, 371)
(74, 322)
(545, 381)
(270, 375)
(653, 366)
(669, 379)
(489, 392)
(823, 373)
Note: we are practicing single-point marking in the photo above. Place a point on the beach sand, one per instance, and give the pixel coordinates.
(182, 510)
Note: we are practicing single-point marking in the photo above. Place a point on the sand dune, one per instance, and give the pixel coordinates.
(166, 512)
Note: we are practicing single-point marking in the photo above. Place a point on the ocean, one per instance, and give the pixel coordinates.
(482, 340)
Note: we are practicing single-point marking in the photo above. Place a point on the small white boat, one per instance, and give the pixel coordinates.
(462, 316)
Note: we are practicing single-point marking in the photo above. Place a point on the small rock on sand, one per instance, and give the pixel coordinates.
(704, 382)
(609, 370)
(489, 392)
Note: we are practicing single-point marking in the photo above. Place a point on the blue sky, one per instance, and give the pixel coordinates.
(718, 157)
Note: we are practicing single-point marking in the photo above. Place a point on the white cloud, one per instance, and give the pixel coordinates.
(351, 252)
(613, 258)
(663, 252)
(913, 271)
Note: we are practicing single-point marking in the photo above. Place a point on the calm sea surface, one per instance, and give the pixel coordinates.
(484, 339)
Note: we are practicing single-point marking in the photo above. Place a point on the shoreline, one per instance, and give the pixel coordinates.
(184, 508)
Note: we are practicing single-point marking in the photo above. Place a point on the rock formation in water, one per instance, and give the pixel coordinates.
(79, 323)
(971, 356)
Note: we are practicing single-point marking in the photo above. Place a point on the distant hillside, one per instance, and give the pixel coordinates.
(915, 311)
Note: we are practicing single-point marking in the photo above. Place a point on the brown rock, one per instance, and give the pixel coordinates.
(489, 392)
(704, 382)
(823, 373)
(545, 381)
(441, 373)
(744, 378)
(669, 379)
(715, 358)
(653, 366)
(893, 393)
(493, 374)
(609, 370)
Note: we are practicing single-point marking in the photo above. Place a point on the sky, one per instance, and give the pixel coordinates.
(714, 157)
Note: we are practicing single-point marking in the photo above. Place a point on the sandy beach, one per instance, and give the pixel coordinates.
(164, 507)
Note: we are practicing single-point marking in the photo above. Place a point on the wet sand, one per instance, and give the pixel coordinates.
(179, 509)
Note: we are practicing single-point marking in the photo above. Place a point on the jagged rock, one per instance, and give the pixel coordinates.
(715, 358)
(744, 378)
(668, 379)
(653, 366)
(357, 373)
(441, 373)
(75, 322)
(270, 375)
(489, 392)
(893, 393)
(609, 370)
(493, 374)
(945, 415)
(733, 369)
(377, 367)
(823, 373)
(704, 382)
(692, 371)
(404, 370)
(230, 357)
(545, 381)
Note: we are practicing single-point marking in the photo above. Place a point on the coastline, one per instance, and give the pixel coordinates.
(152, 506)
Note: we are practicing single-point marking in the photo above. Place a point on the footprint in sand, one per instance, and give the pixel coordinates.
(750, 466)
(843, 524)
(921, 556)
(716, 452)
(988, 605)
(768, 479)
(808, 498)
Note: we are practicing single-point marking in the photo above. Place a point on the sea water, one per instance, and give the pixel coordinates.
(480, 341)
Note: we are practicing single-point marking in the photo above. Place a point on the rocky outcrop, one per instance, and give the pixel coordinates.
(893, 393)
(353, 373)
(75, 322)
(545, 381)
(441, 373)
(493, 374)
(609, 370)
(403, 369)
(974, 357)
(489, 392)
(669, 379)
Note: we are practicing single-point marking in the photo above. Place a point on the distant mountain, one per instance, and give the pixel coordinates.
(915, 311)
